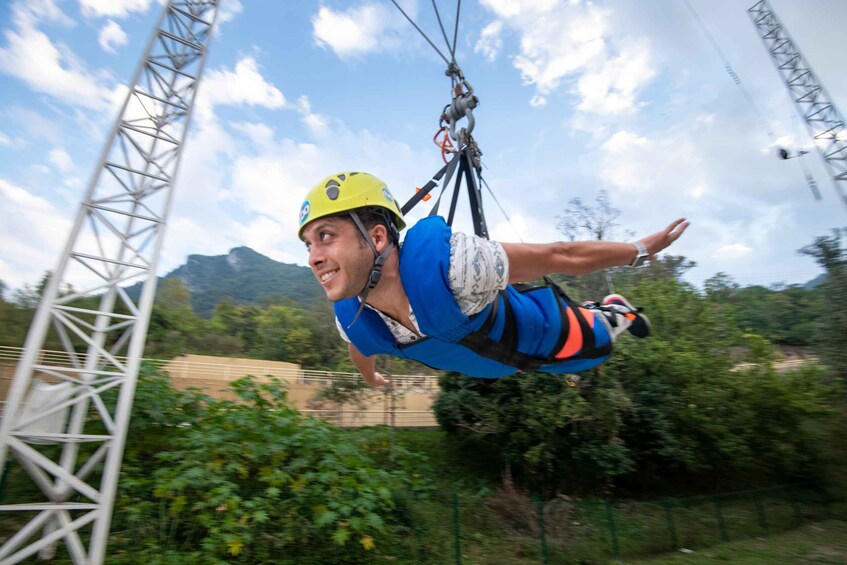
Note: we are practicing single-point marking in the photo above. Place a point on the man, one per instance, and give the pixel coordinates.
(454, 301)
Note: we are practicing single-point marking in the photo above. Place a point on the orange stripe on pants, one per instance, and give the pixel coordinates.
(573, 344)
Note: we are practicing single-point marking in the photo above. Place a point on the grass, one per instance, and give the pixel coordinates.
(819, 543)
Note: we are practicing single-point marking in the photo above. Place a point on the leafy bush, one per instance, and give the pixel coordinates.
(253, 481)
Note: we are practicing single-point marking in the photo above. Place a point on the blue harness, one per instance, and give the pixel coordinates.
(522, 330)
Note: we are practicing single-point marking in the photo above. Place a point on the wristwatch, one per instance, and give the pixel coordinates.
(641, 254)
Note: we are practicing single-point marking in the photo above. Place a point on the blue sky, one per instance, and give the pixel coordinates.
(575, 97)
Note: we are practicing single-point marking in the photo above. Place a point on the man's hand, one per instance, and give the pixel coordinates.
(662, 239)
(377, 380)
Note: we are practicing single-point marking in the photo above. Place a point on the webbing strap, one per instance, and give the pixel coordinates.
(586, 329)
(463, 160)
(505, 350)
(427, 188)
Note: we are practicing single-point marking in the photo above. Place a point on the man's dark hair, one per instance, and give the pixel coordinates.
(376, 216)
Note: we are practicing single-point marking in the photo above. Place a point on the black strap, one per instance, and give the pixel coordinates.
(464, 161)
(584, 326)
(432, 183)
(504, 350)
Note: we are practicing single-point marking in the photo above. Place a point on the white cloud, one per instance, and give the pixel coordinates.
(228, 10)
(113, 8)
(32, 57)
(33, 230)
(359, 30)
(260, 135)
(612, 88)
(564, 42)
(245, 85)
(111, 36)
(516, 8)
(733, 251)
(698, 190)
(61, 160)
(537, 101)
(490, 41)
(28, 14)
(13, 142)
(627, 162)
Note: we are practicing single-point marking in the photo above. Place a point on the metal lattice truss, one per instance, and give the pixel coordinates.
(823, 120)
(65, 422)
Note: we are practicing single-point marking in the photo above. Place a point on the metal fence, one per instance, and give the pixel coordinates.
(293, 375)
(568, 530)
(411, 394)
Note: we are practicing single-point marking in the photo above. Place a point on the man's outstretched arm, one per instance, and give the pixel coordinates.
(529, 261)
(366, 366)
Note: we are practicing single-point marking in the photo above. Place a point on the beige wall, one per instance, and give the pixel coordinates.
(410, 405)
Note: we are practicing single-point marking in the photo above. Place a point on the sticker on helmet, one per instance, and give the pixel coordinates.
(304, 212)
(387, 194)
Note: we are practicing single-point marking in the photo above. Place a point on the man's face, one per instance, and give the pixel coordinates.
(338, 256)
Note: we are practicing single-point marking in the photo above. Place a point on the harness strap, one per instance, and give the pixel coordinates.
(505, 350)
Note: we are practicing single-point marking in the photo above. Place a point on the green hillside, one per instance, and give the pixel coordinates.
(242, 275)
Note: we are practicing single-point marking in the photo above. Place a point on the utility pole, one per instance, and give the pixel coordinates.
(65, 422)
(823, 120)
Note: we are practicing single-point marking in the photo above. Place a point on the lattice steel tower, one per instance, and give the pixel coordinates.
(65, 420)
(823, 120)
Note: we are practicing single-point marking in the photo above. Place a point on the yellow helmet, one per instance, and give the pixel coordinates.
(346, 191)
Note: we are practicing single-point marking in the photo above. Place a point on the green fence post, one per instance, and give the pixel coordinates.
(719, 517)
(539, 507)
(457, 533)
(825, 499)
(671, 526)
(612, 531)
(795, 506)
(3, 476)
(760, 512)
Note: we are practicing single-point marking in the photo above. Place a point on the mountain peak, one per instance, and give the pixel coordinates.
(243, 275)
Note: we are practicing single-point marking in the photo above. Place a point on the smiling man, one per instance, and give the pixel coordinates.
(455, 302)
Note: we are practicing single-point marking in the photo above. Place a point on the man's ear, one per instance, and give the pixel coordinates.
(379, 235)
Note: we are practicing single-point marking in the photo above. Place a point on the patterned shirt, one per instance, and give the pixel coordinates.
(478, 270)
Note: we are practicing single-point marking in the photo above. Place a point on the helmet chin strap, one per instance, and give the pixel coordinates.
(376, 270)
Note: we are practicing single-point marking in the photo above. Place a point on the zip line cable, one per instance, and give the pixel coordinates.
(456, 76)
(456, 28)
(729, 70)
(428, 40)
(502, 210)
(452, 48)
(783, 153)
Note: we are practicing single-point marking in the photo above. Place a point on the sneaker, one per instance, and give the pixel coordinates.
(639, 324)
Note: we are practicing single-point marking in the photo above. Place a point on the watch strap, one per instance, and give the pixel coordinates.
(641, 254)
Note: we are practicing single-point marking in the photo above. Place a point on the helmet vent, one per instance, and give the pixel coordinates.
(332, 189)
(342, 176)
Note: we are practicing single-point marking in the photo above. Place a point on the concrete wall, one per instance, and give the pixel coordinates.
(409, 406)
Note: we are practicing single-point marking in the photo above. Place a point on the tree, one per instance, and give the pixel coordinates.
(172, 320)
(598, 222)
(831, 339)
(669, 406)
(582, 221)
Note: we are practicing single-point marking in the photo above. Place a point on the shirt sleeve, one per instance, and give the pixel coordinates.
(341, 331)
(478, 270)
